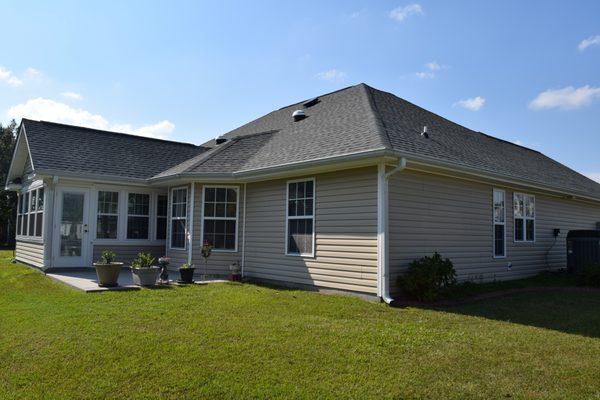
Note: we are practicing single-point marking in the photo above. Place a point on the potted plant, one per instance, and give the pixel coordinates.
(234, 269)
(143, 270)
(186, 271)
(107, 269)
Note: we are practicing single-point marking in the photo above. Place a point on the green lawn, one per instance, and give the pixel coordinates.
(246, 341)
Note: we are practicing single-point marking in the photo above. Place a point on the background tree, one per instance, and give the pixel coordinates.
(8, 200)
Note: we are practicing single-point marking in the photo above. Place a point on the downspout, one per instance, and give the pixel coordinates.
(383, 256)
(191, 224)
(244, 233)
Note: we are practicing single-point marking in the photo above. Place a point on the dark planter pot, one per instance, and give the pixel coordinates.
(145, 276)
(235, 277)
(187, 275)
(108, 274)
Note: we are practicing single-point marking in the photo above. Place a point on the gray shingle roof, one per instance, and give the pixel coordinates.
(72, 149)
(352, 120)
(361, 118)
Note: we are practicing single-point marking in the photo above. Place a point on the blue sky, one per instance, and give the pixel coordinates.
(527, 72)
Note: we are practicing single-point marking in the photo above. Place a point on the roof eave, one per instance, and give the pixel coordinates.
(317, 165)
(456, 167)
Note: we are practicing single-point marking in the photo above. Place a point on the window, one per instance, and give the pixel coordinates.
(178, 217)
(300, 218)
(25, 214)
(30, 213)
(19, 213)
(108, 215)
(524, 210)
(161, 217)
(220, 217)
(499, 216)
(138, 215)
(39, 212)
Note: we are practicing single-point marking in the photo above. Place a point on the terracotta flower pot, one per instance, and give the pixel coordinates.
(145, 276)
(108, 274)
(187, 275)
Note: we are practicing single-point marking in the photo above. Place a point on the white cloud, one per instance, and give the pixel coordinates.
(431, 68)
(595, 176)
(567, 98)
(32, 73)
(72, 95)
(9, 78)
(591, 41)
(473, 104)
(333, 75)
(50, 110)
(401, 13)
(425, 75)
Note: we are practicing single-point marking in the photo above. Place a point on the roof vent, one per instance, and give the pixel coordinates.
(298, 115)
(220, 140)
(424, 133)
(311, 103)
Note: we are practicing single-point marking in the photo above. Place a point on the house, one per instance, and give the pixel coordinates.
(339, 192)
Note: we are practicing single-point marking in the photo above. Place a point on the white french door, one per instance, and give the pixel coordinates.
(71, 228)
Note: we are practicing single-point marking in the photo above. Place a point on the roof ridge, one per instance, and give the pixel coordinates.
(319, 96)
(109, 132)
(379, 123)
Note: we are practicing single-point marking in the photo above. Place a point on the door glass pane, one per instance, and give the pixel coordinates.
(71, 225)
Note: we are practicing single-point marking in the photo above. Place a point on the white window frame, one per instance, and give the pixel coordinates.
(156, 217)
(149, 215)
(29, 213)
(171, 218)
(237, 208)
(494, 223)
(98, 213)
(287, 216)
(524, 218)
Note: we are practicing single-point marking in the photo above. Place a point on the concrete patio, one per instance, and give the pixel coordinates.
(87, 281)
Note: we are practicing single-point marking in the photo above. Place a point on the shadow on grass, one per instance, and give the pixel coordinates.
(568, 310)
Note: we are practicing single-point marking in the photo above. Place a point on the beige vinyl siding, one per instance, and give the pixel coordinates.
(30, 252)
(218, 262)
(430, 213)
(178, 257)
(345, 227)
(126, 253)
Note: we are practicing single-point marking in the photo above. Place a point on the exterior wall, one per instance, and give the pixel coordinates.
(218, 262)
(126, 253)
(430, 213)
(30, 252)
(345, 227)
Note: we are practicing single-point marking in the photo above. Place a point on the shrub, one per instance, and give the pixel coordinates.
(428, 278)
(143, 260)
(186, 266)
(108, 257)
(590, 276)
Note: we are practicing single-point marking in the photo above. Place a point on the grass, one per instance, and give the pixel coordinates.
(247, 341)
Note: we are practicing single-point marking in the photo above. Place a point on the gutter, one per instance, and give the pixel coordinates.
(383, 254)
